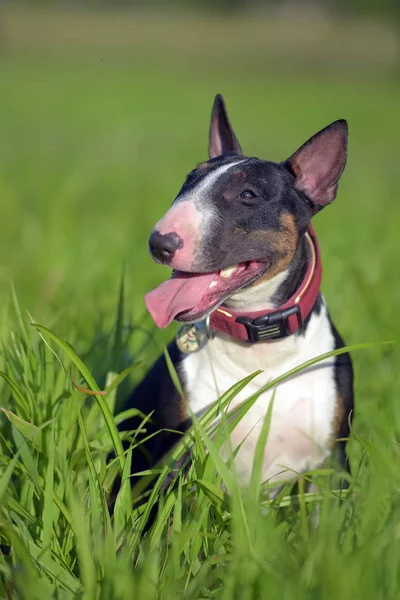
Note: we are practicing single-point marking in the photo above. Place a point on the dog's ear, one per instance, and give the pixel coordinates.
(319, 163)
(222, 137)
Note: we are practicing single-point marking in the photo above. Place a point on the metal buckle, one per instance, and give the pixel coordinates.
(207, 328)
(272, 326)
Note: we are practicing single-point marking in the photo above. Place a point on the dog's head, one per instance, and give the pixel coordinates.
(237, 220)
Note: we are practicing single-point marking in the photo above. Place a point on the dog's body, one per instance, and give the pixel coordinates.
(254, 215)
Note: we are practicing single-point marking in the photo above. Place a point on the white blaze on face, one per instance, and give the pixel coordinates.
(204, 186)
(190, 216)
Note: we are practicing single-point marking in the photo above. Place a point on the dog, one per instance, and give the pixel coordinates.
(246, 287)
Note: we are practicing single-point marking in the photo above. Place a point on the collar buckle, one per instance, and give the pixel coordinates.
(272, 326)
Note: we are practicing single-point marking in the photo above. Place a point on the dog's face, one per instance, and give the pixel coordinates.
(237, 221)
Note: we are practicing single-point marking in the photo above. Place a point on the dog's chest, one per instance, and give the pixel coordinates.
(304, 406)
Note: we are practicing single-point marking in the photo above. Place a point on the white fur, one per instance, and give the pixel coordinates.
(200, 191)
(252, 299)
(303, 413)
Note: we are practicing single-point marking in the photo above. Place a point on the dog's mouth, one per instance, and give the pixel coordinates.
(190, 297)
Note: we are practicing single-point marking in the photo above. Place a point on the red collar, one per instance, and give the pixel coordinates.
(274, 324)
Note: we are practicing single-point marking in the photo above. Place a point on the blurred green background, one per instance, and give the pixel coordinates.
(104, 109)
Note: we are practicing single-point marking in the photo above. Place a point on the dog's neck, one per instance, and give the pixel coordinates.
(272, 293)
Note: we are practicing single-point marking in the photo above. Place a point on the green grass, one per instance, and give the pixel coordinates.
(101, 117)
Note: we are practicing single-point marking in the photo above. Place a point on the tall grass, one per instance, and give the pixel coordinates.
(208, 536)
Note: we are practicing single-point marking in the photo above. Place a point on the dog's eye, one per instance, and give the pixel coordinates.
(247, 195)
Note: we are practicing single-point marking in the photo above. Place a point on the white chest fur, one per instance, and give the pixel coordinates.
(304, 405)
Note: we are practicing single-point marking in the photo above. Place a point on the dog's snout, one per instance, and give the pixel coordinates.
(163, 247)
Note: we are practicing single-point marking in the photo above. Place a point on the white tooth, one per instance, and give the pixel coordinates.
(213, 284)
(228, 271)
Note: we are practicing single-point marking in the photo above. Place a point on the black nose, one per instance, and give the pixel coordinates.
(163, 247)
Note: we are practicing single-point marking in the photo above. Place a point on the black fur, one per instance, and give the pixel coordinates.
(344, 379)
(275, 195)
(157, 395)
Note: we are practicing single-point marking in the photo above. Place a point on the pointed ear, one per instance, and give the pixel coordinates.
(222, 137)
(319, 163)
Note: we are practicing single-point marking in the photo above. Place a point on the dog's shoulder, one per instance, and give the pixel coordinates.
(157, 396)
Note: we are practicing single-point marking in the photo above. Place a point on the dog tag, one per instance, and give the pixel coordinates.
(190, 338)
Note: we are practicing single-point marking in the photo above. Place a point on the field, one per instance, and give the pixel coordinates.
(101, 118)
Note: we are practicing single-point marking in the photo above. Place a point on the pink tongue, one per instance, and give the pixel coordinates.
(180, 293)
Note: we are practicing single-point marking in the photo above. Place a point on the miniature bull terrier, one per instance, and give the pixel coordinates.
(246, 287)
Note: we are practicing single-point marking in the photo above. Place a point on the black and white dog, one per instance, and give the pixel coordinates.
(246, 272)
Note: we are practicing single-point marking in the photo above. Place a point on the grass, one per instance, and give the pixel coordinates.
(100, 123)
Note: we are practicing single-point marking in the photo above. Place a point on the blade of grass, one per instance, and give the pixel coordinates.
(7, 474)
(258, 460)
(27, 460)
(70, 352)
(48, 497)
